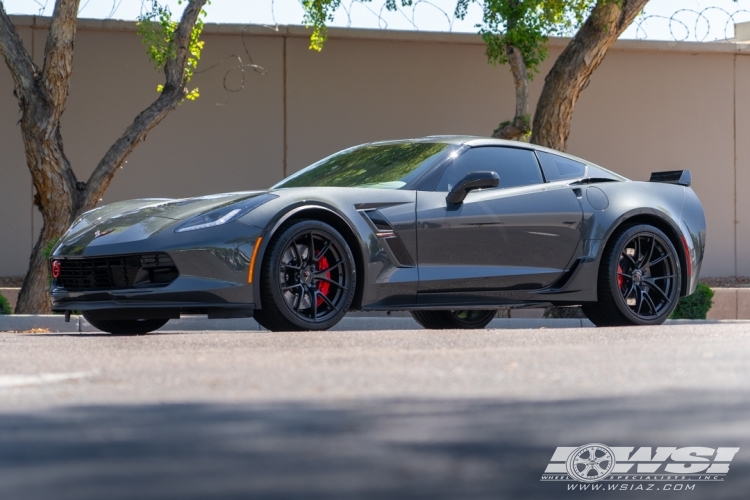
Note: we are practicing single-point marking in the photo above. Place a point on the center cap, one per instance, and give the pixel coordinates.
(306, 276)
(637, 276)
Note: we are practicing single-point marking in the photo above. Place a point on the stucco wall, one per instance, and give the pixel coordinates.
(650, 106)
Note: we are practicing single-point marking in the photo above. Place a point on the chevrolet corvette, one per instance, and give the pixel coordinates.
(449, 228)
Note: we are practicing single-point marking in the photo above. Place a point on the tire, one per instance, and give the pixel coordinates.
(453, 320)
(639, 279)
(308, 278)
(124, 326)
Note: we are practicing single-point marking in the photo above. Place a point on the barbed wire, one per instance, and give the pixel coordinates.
(682, 25)
(700, 19)
(380, 13)
(42, 6)
(240, 66)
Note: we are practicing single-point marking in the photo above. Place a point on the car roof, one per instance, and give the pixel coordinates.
(474, 140)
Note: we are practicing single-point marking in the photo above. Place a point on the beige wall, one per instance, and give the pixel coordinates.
(650, 106)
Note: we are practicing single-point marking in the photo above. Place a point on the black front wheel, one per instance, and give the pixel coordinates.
(308, 278)
(123, 326)
(639, 279)
(453, 320)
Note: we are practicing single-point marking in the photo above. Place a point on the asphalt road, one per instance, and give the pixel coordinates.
(376, 414)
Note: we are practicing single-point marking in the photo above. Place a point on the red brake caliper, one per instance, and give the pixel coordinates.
(323, 286)
(620, 280)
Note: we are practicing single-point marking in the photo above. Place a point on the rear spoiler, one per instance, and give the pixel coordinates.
(681, 177)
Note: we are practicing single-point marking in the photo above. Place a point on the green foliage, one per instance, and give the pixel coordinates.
(319, 12)
(526, 25)
(694, 306)
(524, 122)
(563, 312)
(50, 246)
(158, 29)
(5, 306)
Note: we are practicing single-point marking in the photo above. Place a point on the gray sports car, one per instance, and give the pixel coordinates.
(450, 228)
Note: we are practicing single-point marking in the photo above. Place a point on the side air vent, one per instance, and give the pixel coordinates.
(380, 222)
(391, 242)
(399, 251)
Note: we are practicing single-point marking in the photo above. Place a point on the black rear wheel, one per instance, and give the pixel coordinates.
(453, 320)
(639, 279)
(308, 278)
(123, 326)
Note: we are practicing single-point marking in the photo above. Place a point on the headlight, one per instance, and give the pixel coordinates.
(226, 214)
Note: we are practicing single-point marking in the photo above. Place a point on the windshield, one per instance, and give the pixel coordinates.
(385, 166)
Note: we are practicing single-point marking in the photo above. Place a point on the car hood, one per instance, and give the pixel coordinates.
(135, 220)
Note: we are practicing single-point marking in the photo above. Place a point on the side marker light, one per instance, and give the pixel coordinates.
(252, 259)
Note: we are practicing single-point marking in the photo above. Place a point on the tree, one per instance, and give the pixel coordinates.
(42, 93)
(516, 33)
(573, 68)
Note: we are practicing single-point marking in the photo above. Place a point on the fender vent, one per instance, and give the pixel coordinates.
(391, 242)
(399, 251)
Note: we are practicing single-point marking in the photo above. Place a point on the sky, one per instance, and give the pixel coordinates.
(689, 19)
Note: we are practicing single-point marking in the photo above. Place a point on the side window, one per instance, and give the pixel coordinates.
(558, 168)
(515, 167)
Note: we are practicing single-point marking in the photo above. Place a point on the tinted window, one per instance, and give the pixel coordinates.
(557, 168)
(385, 165)
(515, 167)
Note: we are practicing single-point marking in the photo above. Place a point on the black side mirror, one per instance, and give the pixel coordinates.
(472, 180)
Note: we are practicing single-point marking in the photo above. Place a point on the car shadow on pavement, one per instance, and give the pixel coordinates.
(375, 448)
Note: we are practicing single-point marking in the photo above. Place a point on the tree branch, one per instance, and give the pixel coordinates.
(174, 92)
(19, 62)
(174, 69)
(520, 126)
(573, 68)
(58, 54)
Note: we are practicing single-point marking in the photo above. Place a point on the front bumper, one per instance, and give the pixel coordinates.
(213, 269)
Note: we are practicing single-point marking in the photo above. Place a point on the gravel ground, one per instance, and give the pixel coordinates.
(376, 414)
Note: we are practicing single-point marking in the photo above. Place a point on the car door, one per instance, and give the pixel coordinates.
(521, 235)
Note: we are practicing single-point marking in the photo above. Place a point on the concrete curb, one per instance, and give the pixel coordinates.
(57, 324)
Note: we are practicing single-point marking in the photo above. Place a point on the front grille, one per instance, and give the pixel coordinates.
(116, 272)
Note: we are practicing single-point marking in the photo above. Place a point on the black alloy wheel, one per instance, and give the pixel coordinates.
(639, 279)
(123, 326)
(453, 320)
(308, 278)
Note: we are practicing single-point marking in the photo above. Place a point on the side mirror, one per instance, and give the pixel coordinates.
(471, 181)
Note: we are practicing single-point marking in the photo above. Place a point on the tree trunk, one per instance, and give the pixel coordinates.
(41, 98)
(571, 72)
(520, 126)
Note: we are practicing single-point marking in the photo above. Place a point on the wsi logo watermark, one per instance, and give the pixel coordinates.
(596, 462)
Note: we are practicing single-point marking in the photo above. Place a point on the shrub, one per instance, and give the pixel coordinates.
(694, 306)
(4, 306)
(563, 312)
